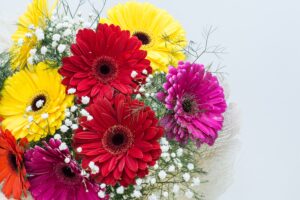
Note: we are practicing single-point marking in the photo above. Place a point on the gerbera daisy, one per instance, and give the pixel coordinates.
(162, 36)
(196, 101)
(53, 174)
(12, 169)
(122, 139)
(33, 103)
(103, 62)
(29, 25)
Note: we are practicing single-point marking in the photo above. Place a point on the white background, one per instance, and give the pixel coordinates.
(263, 40)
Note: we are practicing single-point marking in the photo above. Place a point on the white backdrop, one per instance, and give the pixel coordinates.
(263, 44)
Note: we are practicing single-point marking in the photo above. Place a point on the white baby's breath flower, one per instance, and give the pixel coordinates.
(136, 194)
(39, 103)
(67, 160)
(28, 35)
(84, 112)
(85, 100)
(102, 185)
(162, 175)
(101, 194)
(68, 122)
(90, 117)
(179, 152)
(139, 181)
(44, 50)
(171, 168)
(57, 137)
(145, 72)
(71, 91)
(165, 194)
(165, 148)
(95, 169)
(56, 37)
(30, 118)
(28, 109)
(176, 188)
(67, 32)
(152, 181)
(67, 113)
(61, 48)
(45, 116)
(64, 128)
(186, 177)
(31, 27)
(39, 34)
(152, 197)
(20, 42)
(196, 181)
(73, 108)
(148, 80)
(79, 149)
(63, 146)
(142, 90)
(30, 60)
(138, 96)
(133, 74)
(120, 190)
(32, 52)
(91, 164)
(189, 194)
(54, 44)
(150, 76)
(59, 25)
(74, 126)
(190, 166)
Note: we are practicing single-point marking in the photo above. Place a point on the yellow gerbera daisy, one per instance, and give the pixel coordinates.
(33, 102)
(162, 37)
(24, 39)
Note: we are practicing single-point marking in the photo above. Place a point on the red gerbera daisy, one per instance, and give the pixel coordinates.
(122, 139)
(12, 169)
(103, 62)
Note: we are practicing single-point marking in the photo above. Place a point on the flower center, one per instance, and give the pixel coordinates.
(117, 139)
(143, 37)
(38, 102)
(67, 171)
(105, 69)
(187, 105)
(13, 161)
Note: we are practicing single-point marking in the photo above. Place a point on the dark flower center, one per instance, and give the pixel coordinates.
(13, 161)
(40, 98)
(143, 37)
(187, 105)
(106, 69)
(68, 172)
(117, 139)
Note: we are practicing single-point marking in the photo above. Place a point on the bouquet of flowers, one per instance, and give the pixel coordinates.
(113, 107)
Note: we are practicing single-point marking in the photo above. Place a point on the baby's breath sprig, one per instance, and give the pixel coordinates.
(175, 176)
(5, 70)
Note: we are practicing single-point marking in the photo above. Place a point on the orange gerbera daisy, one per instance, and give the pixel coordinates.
(12, 169)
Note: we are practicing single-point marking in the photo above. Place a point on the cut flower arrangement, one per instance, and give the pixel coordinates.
(108, 107)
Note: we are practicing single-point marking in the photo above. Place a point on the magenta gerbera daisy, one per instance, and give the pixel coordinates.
(196, 103)
(122, 139)
(53, 174)
(103, 62)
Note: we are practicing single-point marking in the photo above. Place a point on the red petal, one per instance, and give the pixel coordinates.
(131, 163)
(136, 153)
